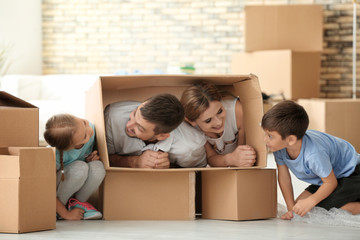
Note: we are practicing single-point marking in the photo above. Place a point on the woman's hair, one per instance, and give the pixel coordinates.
(59, 132)
(196, 99)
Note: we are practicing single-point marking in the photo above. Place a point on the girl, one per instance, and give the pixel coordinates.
(221, 121)
(79, 171)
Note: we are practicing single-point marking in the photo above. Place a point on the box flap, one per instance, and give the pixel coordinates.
(8, 100)
(109, 89)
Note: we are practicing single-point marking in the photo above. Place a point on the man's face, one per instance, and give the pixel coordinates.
(138, 127)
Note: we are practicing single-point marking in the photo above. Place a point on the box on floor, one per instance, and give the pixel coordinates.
(295, 27)
(19, 122)
(27, 172)
(291, 73)
(28, 189)
(130, 193)
(338, 117)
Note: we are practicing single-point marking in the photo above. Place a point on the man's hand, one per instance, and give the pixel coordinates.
(152, 159)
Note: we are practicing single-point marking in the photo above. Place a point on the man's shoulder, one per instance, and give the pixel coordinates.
(189, 135)
(123, 106)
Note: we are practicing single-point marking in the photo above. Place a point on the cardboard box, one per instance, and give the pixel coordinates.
(239, 194)
(338, 117)
(295, 27)
(133, 193)
(19, 122)
(293, 74)
(28, 189)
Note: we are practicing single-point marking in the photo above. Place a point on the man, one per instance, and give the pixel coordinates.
(152, 134)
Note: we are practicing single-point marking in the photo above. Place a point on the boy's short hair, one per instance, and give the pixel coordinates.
(165, 110)
(287, 118)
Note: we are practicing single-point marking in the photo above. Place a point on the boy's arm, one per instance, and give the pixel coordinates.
(303, 206)
(285, 184)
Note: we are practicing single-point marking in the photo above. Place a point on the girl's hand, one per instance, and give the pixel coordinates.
(93, 156)
(74, 214)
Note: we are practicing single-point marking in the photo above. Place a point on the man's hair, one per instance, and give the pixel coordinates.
(165, 110)
(287, 118)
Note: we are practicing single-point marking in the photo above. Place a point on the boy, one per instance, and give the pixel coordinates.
(329, 164)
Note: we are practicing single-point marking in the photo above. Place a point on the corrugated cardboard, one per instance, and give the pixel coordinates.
(19, 122)
(28, 189)
(338, 117)
(132, 193)
(239, 194)
(295, 27)
(295, 74)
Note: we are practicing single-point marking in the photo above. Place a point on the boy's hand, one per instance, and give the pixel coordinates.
(303, 206)
(287, 216)
(92, 156)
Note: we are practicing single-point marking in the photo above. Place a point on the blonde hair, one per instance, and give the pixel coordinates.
(196, 99)
(59, 132)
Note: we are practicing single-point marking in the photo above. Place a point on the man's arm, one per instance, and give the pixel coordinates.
(303, 206)
(147, 159)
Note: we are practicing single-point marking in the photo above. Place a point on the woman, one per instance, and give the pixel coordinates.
(222, 122)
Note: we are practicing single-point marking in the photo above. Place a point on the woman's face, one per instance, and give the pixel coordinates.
(213, 119)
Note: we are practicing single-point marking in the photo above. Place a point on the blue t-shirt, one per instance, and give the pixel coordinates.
(77, 154)
(320, 153)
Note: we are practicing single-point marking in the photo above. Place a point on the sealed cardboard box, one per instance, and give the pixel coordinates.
(338, 117)
(293, 74)
(295, 27)
(239, 194)
(130, 193)
(19, 122)
(28, 189)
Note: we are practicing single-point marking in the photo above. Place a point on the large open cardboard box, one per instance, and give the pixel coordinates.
(19, 122)
(294, 74)
(338, 117)
(295, 27)
(130, 193)
(28, 189)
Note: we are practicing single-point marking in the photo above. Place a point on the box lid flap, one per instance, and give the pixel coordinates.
(9, 100)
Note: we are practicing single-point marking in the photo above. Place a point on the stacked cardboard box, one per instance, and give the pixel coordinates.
(27, 172)
(227, 193)
(338, 117)
(283, 45)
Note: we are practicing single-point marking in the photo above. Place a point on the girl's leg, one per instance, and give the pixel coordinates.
(96, 175)
(76, 174)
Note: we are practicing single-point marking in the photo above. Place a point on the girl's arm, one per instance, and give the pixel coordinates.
(303, 206)
(285, 184)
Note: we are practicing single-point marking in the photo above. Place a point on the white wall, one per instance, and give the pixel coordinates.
(20, 25)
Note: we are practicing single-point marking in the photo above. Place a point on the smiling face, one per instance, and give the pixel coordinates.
(212, 120)
(82, 134)
(274, 142)
(138, 127)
